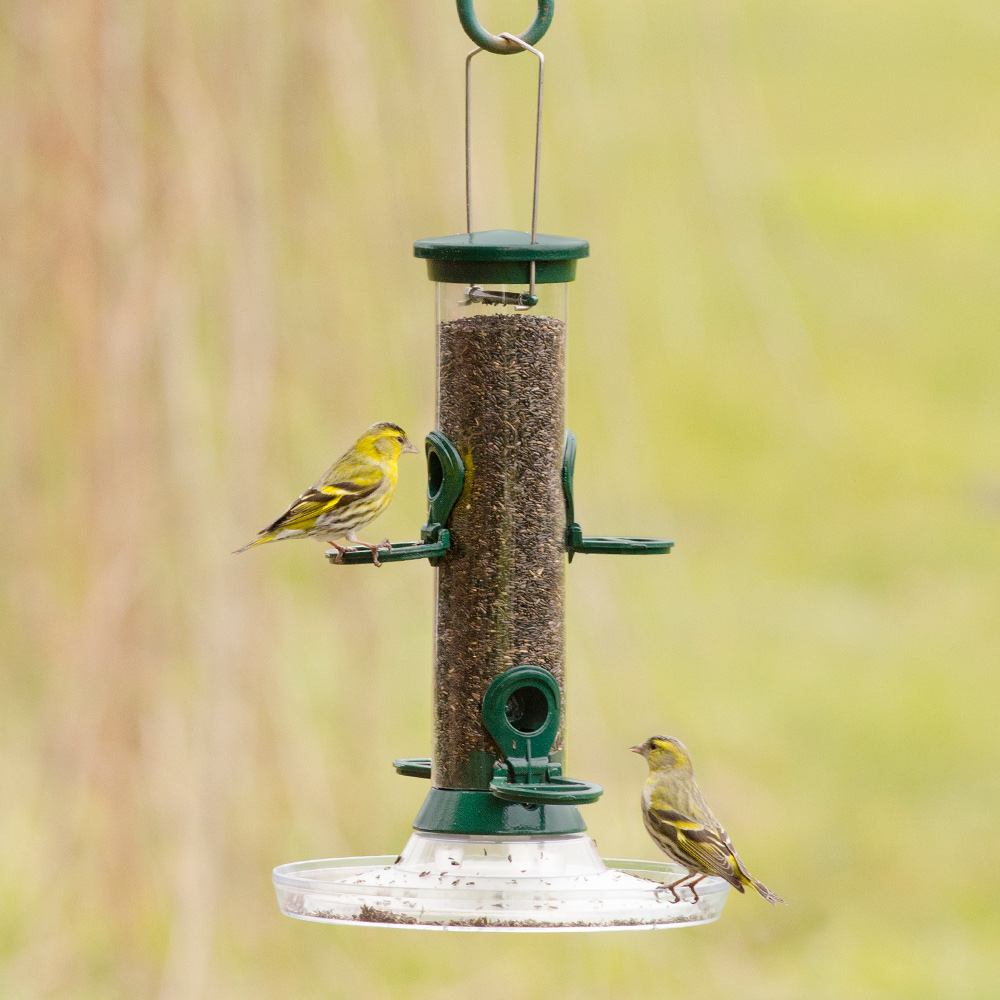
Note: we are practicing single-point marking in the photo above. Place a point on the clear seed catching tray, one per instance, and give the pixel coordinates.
(454, 882)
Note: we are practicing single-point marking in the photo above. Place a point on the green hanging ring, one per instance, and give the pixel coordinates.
(495, 44)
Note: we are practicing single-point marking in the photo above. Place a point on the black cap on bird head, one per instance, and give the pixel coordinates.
(664, 753)
(384, 426)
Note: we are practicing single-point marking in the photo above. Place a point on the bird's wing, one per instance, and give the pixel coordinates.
(302, 514)
(706, 845)
(352, 468)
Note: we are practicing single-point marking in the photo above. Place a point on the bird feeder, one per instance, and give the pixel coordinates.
(500, 842)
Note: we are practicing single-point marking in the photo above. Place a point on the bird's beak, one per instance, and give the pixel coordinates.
(409, 448)
(639, 748)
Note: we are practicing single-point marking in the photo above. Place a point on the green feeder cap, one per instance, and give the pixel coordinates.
(500, 257)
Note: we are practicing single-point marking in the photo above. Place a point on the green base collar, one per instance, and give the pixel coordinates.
(457, 810)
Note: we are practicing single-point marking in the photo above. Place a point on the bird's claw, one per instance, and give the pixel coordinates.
(384, 544)
(374, 551)
(664, 888)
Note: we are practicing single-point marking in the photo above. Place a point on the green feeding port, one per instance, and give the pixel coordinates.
(576, 541)
(522, 711)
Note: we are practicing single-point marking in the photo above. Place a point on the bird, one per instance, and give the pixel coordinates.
(681, 824)
(352, 492)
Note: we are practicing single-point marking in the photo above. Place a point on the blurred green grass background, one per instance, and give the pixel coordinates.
(783, 353)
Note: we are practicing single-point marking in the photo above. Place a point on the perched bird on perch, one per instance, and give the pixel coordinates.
(352, 492)
(679, 820)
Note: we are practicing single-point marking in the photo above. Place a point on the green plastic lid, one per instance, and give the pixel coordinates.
(501, 257)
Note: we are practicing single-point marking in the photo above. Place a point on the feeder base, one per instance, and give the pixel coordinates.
(454, 882)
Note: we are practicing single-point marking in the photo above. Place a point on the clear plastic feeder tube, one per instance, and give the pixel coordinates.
(501, 589)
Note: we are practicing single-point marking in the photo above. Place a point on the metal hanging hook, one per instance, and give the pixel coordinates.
(520, 43)
(502, 45)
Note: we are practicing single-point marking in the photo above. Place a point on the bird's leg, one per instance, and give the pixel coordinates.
(672, 887)
(691, 885)
(385, 543)
(354, 540)
(339, 557)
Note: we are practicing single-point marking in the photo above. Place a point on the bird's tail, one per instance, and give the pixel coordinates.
(259, 540)
(771, 897)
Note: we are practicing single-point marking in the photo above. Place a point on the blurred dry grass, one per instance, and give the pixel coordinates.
(206, 213)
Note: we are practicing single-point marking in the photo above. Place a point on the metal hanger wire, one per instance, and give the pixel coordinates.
(501, 298)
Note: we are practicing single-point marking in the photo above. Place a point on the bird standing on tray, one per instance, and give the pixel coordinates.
(352, 492)
(679, 820)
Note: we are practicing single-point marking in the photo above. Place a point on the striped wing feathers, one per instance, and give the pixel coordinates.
(702, 847)
(320, 500)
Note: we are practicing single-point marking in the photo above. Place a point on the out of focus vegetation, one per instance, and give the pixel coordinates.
(784, 353)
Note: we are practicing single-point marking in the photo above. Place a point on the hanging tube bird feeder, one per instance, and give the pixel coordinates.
(500, 842)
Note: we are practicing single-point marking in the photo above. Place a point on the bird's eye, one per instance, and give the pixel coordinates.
(400, 440)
